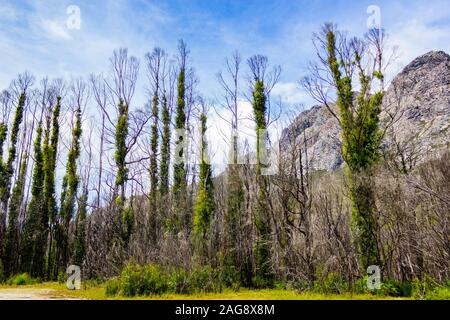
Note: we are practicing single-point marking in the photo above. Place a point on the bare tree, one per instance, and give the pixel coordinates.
(294, 189)
(231, 99)
(100, 94)
(123, 76)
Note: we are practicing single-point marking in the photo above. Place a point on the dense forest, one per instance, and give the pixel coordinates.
(88, 179)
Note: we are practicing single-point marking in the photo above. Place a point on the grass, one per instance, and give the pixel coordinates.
(98, 293)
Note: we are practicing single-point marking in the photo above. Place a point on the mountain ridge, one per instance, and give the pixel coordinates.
(419, 100)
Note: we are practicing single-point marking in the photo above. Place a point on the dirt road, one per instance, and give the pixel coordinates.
(31, 294)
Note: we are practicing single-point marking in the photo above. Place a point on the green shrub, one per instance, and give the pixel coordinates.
(136, 280)
(439, 293)
(94, 282)
(427, 288)
(151, 279)
(389, 288)
(300, 285)
(155, 280)
(62, 277)
(281, 285)
(332, 283)
(360, 286)
(113, 287)
(405, 289)
(2, 275)
(130, 280)
(204, 279)
(230, 276)
(261, 283)
(21, 280)
(98, 280)
(178, 281)
(423, 287)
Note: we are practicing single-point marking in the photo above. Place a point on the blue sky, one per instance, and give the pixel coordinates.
(34, 36)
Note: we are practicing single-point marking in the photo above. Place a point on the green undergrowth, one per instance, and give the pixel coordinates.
(136, 280)
(22, 279)
(425, 288)
(153, 280)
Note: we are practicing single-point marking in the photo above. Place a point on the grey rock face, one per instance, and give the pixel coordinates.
(319, 131)
(418, 100)
(421, 94)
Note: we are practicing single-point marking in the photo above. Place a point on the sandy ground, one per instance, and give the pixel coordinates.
(31, 294)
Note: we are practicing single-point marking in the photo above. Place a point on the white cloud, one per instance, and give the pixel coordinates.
(416, 28)
(55, 29)
(415, 38)
(291, 93)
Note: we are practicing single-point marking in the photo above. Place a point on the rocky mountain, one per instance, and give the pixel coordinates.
(417, 102)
